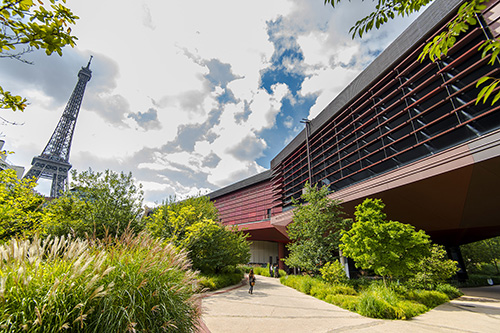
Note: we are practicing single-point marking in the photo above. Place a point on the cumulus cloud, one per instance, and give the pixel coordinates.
(215, 92)
(147, 120)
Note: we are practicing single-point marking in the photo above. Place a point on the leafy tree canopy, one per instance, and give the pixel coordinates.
(316, 229)
(485, 251)
(433, 269)
(213, 247)
(26, 25)
(192, 225)
(99, 203)
(20, 206)
(390, 248)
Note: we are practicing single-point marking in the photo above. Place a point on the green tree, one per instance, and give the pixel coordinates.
(99, 203)
(333, 273)
(26, 25)
(20, 206)
(171, 219)
(192, 225)
(213, 247)
(316, 229)
(433, 269)
(441, 43)
(390, 248)
(485, 251)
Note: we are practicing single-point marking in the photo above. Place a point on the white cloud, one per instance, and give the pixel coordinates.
(175, 95)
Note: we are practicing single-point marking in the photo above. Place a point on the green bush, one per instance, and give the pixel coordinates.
(333, 273)
(348, 302)
(192, 225)
(429, 298)
(20, 206)
(394, 301)
(411, 308)
(114, 285)
(322, 290)
(450, 291)
(360, 284)
(218, 281)
(302, 283)
(380, 302)
(433, 269)
(386, 303)
(264, 271)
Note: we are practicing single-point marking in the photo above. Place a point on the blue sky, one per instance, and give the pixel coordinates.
(190, 96)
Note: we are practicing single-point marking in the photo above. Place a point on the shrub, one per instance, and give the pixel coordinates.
(450, 291)
(131, 283)
(380, 302)
(376, 300)
(315, 287)
(192, 225)
(319, 291)
(433, 269)
(212, 247)
(322, 290)
(20, 206)
(411, 309)
(333, 273)
(348, 302)
(218, 281)
(360, 284)
(385, 303)
(264, 271)
(302, 283)
(429, 298)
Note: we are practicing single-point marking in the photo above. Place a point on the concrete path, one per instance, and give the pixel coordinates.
(276, 308)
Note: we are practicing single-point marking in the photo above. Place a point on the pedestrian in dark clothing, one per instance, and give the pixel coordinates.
(251, 281)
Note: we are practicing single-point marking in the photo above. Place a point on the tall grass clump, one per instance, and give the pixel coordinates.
(382, 302)
(429, 298)
(115, 285)
(302, 283)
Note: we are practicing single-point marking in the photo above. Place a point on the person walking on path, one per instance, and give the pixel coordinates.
(251, 281)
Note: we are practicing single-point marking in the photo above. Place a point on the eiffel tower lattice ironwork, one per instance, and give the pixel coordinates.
(53, 163)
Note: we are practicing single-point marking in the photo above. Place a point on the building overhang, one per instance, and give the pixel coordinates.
(265, 231)
(452, 195)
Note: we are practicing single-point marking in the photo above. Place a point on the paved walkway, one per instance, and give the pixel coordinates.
(276, 308)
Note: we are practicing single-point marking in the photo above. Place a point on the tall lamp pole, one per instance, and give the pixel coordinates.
(308, 123)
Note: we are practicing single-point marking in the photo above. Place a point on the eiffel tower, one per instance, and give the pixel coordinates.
(53, 163)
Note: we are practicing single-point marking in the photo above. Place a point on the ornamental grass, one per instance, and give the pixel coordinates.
(375, 300)
(134, 283)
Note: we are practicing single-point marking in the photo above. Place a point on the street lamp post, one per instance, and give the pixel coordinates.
(308, 124)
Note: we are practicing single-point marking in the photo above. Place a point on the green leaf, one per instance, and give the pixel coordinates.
(490, 90)
(496, 98)
(482, 80)
(481, 93)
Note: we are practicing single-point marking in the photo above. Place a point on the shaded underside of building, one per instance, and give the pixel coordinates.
(407, 131)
